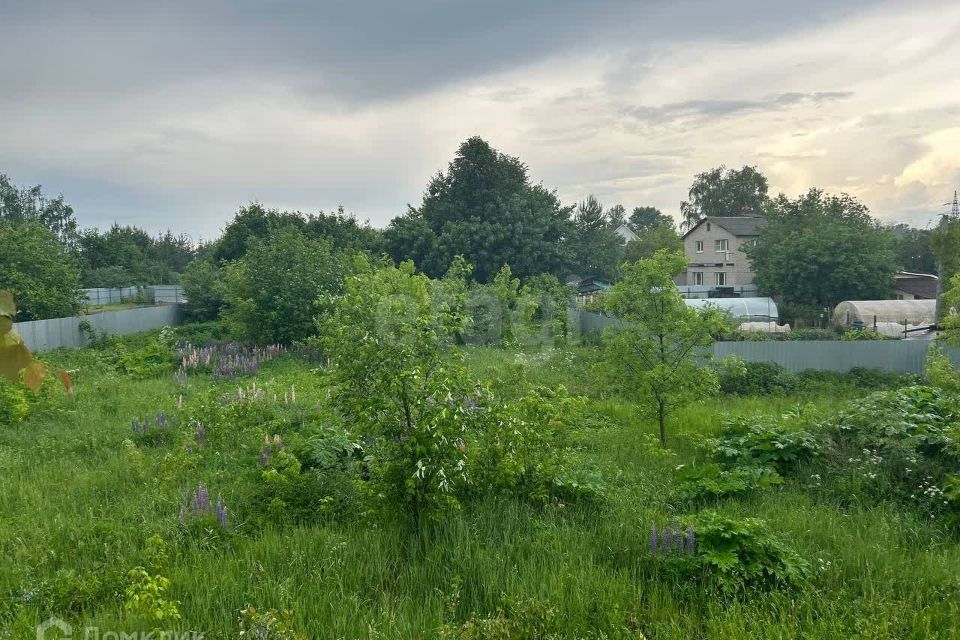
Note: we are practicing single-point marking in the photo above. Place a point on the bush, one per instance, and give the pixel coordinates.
(712, 481)
(757, 378)
(763, 441)
(811, 334)
(202, 283)
(863, 334)
(743, 552)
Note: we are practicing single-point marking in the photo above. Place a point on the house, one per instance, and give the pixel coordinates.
(626, 233)
(914, 286)
(714, 250)
(587, 288)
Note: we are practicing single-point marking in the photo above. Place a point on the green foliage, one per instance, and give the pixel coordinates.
(151, 360)
(819, 250)
(648, 218)
(267, 625)
(399, 379)
(544, 301)
(764, 442)
(712, 480)
(811, 334)
(725, 192)
(146, 598)
(951, 318)
(940, 372)
(851, 335)
(523, 449)
(42, 274)
(744, 552)
(29, 205)
(899, 444)
(273, 294)
(485, 209)
(13, 403)
(655, 354)
(756, 378)
(202, 283)
(519, 620)
(652, 239)
(127, 256)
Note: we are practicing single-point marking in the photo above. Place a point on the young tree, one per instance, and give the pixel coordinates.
(725, 192)
(399, 378)
(42, 274)
(656, 353)
(616, 217)
(819, 250)
(951, 312)
(202, 283)
(945, 247)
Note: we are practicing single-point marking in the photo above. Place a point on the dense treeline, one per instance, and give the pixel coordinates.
(817, 250)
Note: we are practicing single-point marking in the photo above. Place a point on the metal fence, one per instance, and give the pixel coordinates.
(170, 293)
(43, 335)
(902, 356)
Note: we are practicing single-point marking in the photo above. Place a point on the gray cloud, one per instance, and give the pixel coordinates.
(692, 110)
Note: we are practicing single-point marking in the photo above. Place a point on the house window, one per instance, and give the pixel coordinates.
(721, 278)
(697, 277)
(721, 245)
(699, 246)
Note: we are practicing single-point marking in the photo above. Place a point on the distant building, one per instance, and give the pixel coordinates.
(626, 233)
(587, 288)
(914, 286)
(714, 251)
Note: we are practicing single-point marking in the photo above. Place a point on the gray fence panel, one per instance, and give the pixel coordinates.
(902, 356)
(169, 293)
(44, 335)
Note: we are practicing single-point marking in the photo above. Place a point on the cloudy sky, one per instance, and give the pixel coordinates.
(174, 114)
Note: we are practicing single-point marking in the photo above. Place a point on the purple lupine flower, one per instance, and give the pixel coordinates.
(691, 540)
(653, 539)
(221, 512)
(200, 434)
(277, 442)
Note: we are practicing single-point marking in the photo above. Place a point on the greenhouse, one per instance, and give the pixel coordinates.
(744, 309)
(868, 312)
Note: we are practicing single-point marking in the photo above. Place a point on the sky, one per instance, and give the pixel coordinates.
(173, 115)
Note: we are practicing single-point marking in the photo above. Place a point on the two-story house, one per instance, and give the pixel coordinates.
(714, 250)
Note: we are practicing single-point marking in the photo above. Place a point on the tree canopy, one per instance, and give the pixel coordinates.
(19, 205)
(37, 268)
(484, 208)
(725, 192)
(819, 250)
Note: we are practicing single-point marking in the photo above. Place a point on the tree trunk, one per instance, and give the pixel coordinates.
(661, 411)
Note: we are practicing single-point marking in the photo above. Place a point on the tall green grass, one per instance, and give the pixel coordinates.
(77, 505)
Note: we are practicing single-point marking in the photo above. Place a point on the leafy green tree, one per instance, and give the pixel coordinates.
(410, 237)
(655, 354)
(485, 209)
(945, 247)
(251, 222)
(272, 294)
(913, 249)
(589, 215)
(401, 381)
(725, 192)
(19, 205)
(127, 256)
(951, 311)
(616, 217)
(819, 250)
(203, 288)
(647, 218)
(344, 231)
(652, 239)
(42, 274)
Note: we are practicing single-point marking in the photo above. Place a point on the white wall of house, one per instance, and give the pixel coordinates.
(715, 257)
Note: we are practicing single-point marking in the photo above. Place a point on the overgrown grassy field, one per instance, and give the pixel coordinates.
(82, 497)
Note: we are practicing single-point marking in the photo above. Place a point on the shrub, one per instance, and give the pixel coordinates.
(863, 334)
(940, 371)
(811, 334)
(202, 283)
(711, 480)
(756, 378)
(744, 552)
(267, 625)
(40, 271)
(763, 441)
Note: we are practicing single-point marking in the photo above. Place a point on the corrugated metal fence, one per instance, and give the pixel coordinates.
(903, 356)
(171, 293)
(43, 335)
